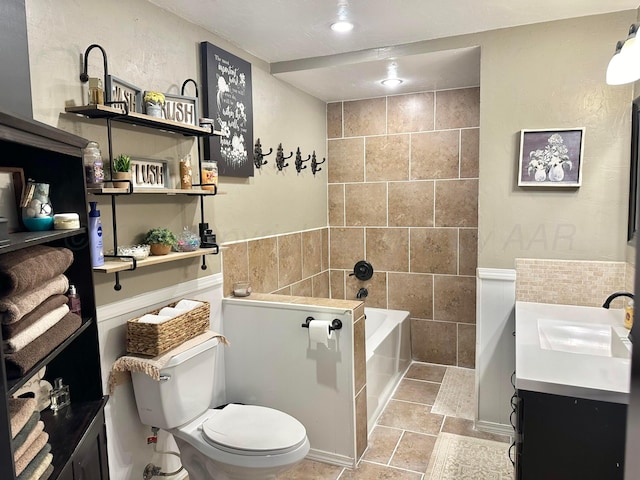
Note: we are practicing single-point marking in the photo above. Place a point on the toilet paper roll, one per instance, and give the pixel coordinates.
(319, 332)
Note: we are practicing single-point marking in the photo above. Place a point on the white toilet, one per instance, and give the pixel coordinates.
(237, 442)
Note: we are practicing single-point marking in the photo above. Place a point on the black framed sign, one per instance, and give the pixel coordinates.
(227, 100)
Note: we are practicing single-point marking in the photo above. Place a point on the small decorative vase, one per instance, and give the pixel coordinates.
(160, 249)
(556, 174)
(37, 212)
(153, 109)
(121, 176)
(540, 176)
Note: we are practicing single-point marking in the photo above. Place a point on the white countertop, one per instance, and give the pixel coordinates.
(589, 376)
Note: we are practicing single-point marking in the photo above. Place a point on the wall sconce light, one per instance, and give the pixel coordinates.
(624, 66)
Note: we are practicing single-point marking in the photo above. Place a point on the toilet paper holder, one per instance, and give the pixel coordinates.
(336, 323)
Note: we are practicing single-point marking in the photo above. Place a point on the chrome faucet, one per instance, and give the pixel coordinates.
(613, 296)
(362, 293)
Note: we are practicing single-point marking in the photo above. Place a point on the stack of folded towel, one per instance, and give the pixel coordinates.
(31, 451)
(34, 315)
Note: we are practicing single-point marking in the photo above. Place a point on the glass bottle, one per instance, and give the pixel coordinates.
(96, 92)
(60, 396)
(94, 171)
(209, 175)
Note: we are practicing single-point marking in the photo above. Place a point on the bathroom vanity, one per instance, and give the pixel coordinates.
(572, 387)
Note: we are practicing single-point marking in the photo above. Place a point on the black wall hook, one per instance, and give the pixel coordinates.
(258, 156)
(315, 163)
(184, 84)
(84, 76)
(299, 160)
(336, 323)
(280, 158)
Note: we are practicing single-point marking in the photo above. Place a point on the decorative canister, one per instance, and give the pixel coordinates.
(209, 175)
(37, 212)
(186, 173)
(66, 221)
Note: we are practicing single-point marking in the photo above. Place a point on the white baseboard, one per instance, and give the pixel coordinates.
(330, 458)
(496, 428)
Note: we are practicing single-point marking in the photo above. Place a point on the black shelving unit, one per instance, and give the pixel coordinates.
(115, 114)
(76, 433)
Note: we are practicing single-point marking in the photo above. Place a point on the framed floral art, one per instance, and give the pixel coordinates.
(551, 158)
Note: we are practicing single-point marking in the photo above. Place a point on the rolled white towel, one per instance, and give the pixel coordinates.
(170, 312)
(187, 305)
(148, 318)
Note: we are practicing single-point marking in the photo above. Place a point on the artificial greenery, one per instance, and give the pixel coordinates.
(160, 235)
(122, 163)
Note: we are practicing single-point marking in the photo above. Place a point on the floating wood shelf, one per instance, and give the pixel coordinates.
(157, 191)
(118, 265)
(103, 111)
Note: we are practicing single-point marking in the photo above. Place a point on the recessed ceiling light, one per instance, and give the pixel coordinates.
(391, 82)
(342, 26)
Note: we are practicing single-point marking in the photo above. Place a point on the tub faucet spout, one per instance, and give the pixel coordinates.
(362, 293)
(613, 296)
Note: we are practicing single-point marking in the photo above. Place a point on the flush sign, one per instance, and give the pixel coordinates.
(149, 174)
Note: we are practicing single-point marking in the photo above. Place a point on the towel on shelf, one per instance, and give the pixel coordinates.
(152, 365)
(187, 304)
(47, 473)
(15, 307)
(20, 411)
(17, 364)
(27, 336)
(38, 465)
(150, 318)
(36, 430)
(31, 451)
(47, 306)
(24, 433)
(24, 269)
(170, 312)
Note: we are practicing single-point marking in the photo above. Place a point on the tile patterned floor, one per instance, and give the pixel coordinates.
(402, 442)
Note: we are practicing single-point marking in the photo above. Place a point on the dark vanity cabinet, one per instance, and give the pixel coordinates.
(568, 438)
(76, 432)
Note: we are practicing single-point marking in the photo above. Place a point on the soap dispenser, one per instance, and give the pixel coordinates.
(95, 236)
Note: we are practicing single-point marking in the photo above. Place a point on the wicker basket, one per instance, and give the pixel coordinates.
(156, 338)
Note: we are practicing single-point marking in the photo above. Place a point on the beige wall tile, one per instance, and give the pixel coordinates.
(411, 204)
(359, 354)
(410, 113)
(320, 285)
(334, 120)
(454, 299)
(466, 345)
(386, 157)
(311, 253)
(303, 288)
(456, 203)
(346, 247)
(434, 342)
(290, 259)
(412, 292)
(458, 108)
(263, 265)
(366, 204)
(336, 279)
(235, 266)
(345, 160)
(388, 248)
(469, 153)
(468, 251)
(376, 287)
(365, 117)
(434, 250)
(361, 423)
(336, 204)
(283, 291)
(325, 249)
(435, 155)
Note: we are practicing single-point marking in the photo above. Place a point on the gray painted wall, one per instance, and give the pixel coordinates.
(15, 83)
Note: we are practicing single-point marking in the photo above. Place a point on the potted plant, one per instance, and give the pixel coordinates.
(153, 102)
(160, 240)
(121, 170)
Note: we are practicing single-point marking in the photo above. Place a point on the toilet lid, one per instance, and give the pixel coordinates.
(253, 428)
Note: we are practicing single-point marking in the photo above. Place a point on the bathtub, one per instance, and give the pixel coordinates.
(388, 347)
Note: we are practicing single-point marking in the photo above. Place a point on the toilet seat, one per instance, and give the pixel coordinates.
(253, 430)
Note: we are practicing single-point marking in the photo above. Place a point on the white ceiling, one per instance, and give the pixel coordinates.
(292, 34)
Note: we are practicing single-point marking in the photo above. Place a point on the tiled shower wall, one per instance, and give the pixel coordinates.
(290, 264)
(403, 195)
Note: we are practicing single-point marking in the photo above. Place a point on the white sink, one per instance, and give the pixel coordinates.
(583, 338)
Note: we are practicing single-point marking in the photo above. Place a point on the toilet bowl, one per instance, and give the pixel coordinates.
(234, 442)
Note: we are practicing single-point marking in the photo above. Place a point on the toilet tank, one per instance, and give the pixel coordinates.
(185, 389)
